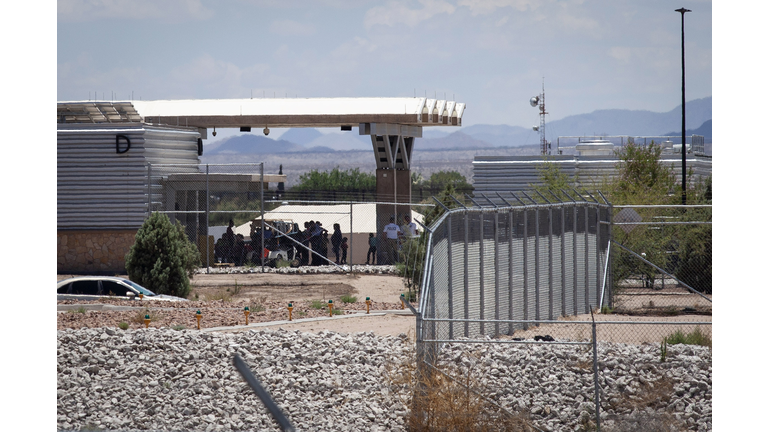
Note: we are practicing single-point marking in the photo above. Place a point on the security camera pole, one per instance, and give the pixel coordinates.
(684, 149)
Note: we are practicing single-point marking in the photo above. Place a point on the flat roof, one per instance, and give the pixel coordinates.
(266, 112)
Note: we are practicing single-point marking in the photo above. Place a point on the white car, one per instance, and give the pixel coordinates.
(98, 287)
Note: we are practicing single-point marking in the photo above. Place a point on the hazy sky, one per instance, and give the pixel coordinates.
(490, 54)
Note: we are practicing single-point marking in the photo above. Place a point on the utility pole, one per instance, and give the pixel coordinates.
(682, 38)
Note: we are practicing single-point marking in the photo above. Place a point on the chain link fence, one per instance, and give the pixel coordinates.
(231, 214)
(524, 270)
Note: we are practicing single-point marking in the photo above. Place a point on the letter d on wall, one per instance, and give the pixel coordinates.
(117, 143)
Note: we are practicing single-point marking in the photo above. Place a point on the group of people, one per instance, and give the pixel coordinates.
(315, 242)
(231, 247)
(394, 235)
(312, 243)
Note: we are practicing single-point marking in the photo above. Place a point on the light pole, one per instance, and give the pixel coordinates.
(682, 38)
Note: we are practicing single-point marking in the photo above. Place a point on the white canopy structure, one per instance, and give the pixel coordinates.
(363, 217)
(266, 112)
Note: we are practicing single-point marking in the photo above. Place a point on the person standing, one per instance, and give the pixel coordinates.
(336, 240)
(410, 229)
(344, 247)
(391, 234)
(373, 245)
(323, 248)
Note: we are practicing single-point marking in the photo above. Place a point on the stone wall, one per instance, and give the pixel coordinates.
(93, 251)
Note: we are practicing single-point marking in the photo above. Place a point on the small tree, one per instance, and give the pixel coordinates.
(162, 259)
(694, 266)
(552, 180)
(336, 180)
(442, 179)
(642, 179)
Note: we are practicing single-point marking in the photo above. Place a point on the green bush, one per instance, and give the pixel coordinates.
(696, 337)
(162, 258)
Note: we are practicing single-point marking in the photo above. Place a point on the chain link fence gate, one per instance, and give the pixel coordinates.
(514, 275)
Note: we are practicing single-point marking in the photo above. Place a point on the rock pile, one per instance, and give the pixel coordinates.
(162, 379)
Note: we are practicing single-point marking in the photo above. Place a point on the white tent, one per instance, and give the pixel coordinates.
(363, 220)
(363, 217)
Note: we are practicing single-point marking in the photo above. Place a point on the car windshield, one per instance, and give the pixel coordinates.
(140, 288)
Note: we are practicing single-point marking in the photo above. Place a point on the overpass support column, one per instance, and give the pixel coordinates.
(392, 148)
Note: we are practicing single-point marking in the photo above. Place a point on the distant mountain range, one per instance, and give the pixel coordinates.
(598, 123)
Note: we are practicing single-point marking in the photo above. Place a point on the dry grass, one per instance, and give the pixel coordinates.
(139, 316)
(655, 395)
(438, 401)
(223, 295)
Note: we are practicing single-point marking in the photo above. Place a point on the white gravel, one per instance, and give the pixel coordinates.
(162, 379)
(324, 269)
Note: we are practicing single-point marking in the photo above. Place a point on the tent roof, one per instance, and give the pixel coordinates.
(363, 217)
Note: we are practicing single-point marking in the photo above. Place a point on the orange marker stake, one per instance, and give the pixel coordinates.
(367, 305)
(330, 308)
(402, 301)
(290, 311)
(247, 312)
(198, 315)
(146, 321)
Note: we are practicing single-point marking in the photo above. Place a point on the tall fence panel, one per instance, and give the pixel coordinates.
(527, 262)
(512, 277)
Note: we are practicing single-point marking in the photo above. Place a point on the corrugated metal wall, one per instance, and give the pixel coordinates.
(504, 174)
(99, 188)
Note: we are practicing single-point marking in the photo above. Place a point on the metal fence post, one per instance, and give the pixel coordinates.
(496, 268)
(261, 205)
(575, 260)
(549, 278)
(482, 273)
(537, 265)
(207, 221)
(586, 258)
(594, 371)
(450, 274)
(511, 225)
(525, 267)
(466, 272)
(562, 260)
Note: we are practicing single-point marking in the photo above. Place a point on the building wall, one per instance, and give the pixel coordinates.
(93, 251)
(504, 173)
(102, 187)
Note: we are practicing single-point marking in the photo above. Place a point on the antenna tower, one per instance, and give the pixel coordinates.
(539, 101)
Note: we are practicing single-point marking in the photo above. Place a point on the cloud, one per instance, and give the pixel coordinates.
(398, 12)
(622, 54)
(208, 75)
(484, 7)
(169, 10)
(291, 28)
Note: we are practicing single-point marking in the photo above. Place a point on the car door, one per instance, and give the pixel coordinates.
(85, 287)
(113, 288)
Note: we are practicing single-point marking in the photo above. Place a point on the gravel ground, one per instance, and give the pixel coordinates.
(162, 379)
(215, 313)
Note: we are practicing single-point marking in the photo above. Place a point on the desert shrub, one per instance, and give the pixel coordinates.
(348, 299)
(162, 258)
(139, 316)
(696, 337)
